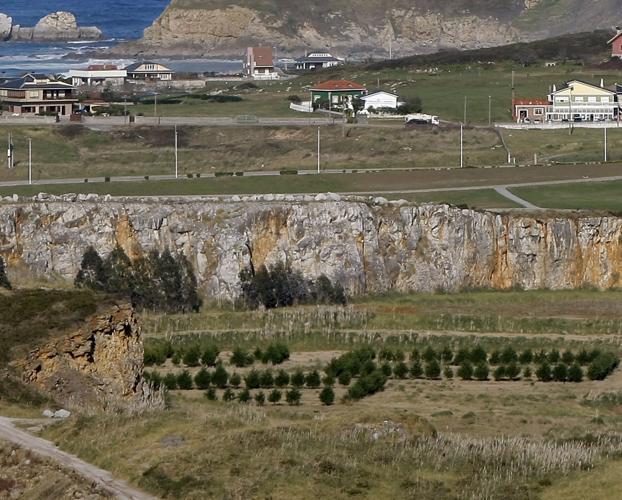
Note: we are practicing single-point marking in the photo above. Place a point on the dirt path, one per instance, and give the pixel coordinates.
(120, 489)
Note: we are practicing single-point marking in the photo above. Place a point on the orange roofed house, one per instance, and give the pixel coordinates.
(336, 94)
(259, 64)
(529, 110)
(616, 44)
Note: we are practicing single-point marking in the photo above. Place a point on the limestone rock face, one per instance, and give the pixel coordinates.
(98, 367)
(58, 26)
(6, 25)
(369, 247)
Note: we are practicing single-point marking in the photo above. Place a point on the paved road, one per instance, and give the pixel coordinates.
(120, 489)
(503, 191)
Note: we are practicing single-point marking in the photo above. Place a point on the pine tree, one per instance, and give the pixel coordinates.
(235, 380)
(313, 379)
(298, 378)
(91, 274)
(202, 379)
(344, 378)
(465, 372)
(118, 272)
(275, 396)
(575, 373)
(266, 379)
(281, 379)
(544, 372)
(448, 372)
(244, 396)
(400, 370)
(432, 369)
(4, 279)
(481, 372)
(220, 377)
(327, 396)
(293, 397)
(260, 398)
(416, 371)
(184, 381)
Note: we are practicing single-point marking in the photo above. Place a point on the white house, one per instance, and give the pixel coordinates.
(98, 74)
(149, 71)
(380, 99)
(315, 60)
(259, 64)
(581, 101)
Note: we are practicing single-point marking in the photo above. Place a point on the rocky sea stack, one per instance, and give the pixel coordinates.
(57, 26)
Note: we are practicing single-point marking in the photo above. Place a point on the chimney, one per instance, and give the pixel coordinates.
(618, 30)
(602, 83)
(554, 88)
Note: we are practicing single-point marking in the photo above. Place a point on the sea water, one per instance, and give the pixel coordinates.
(119, 20)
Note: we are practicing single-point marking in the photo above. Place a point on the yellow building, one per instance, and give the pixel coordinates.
(581, 101)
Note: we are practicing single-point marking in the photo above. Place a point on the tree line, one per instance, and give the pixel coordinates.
(156, 281)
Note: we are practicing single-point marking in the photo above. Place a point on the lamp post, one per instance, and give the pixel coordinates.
(30, 161)
(318, 150)
(605, 142)
(465, 110)
(489, 110)
(461, 145)
(176, 156)
(570, 117)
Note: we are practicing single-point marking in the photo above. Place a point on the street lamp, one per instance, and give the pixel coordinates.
(570, 117)
(489, 110)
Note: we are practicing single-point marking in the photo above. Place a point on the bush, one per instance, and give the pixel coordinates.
(478, 355)
(527, 372)
(228, 395)
(568, 357)
(544, 372)
(351, 362)
(235, 380)
(512, 371)
(293, 397)
(345, 378)
(415, 354)
(170, 381)
(575, 373)
(275, 396)
(328, 380)
(191, 356)
(220, 377)
(327, 396)
(313, 380)
(508, 355)
(553, 356)
(400, 370)
(540, 357)
(432, 369)
(294, 98)
(266, 379)
(298, 378)
(465, 372)
(210, 394)
(560, 372)
(448, 372)
(447, 355)
(252, 380)
(416, 370)
(429, 354)
(176, 358)
(526, 357)
(495, 357)
(281, 379)
(260, 398)
(499, 373)
(210, 356)
(461, 356)
(412, 105)
(276, 354)
(367, 385)
(184, 381)
(4, 279)
(244, 396)
(602, 365)
(481, 372)
(240, 358)
(202, 379)
(387, 370)
(583, 358)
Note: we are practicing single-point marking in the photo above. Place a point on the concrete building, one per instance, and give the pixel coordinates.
(149, 71)
(581, 101)
(259, 64)
(317, 60)
(98, 74)
(529, 110)
(336, 94)
(37, 94)
(380, 99)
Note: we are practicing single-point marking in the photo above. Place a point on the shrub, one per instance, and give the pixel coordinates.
(324, 291)
(252, 380)
(602, 365)
(540, 357)
(512, 371)
(387, 370)
(170, 381)
(281, 379)
(560, 372)
(275, 396)
(258, 354)
(202, 379)
(568, 357)
(298, 378)
(276, 354)
(411, 105)
(495, 357)
(448, 372)
(176, 358)
(154, 356)
(429, 354)
(244, 396)
(465, 372)
(210, 394)
(260, 398)
(508, 355)
(344, 378)
(294, 98)
(184, 381)
(367, 385)
(191, 356)
(527, 372)
(313, 380)
(240, 358)
(575, 373)
(266, 379)
(4, 279)
(400, 370)
(228, 395)
(386, 354)
(220, 377)
(481, 372)
(416, 370)
(461, 356)
(553, 356)
(293, 397)
(210, 356)
(432, 369)
(526, 357)
(478, 355)
(327, 396)
(328, 380)
(352, 361)
(368, 367)
(235, 380)
(415, 354)
(499, 373)
(447, 355)
(544, 372)
(583, 358)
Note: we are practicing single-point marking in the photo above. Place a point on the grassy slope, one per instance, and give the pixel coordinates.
(598, 195)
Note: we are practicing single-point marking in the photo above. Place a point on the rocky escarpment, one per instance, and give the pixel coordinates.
(362, 28)
(97, 367)
(58, 26)
(367, 246)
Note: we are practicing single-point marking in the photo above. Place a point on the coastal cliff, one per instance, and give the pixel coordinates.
(57, 26)
(368, 246)
(362, 28)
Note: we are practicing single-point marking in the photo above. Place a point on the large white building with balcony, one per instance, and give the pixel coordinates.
(581, 101)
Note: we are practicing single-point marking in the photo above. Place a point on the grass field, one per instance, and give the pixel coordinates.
(595, 195)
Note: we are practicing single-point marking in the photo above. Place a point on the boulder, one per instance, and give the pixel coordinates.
(57, 26)
(48, 413)
(62, 413)
(6, 25)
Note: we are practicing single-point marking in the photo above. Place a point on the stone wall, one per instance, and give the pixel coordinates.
(369, 246)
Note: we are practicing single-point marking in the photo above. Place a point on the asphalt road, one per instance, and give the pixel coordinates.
(120, 489)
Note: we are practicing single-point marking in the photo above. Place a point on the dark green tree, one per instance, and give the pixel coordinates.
(210, 355)
(526, 357)
(228, 395)
(184, 380)
(478, 355)
(4, 279)
(544, 372)
(313, 379)
(344, 378)
(260, 398)
(240, 358)
(560, 372)
(508, 355)
(400, 370)
(202, 379)
(298, 378)
(499, 373)
(118, 272)
(293, 397)
(327, 396)
(192, 356)
(91, 274)
(481, 371)
(512, 371)
(281, 379)
(252, 379)
(416, 370)
(266, 379)
(170, 381)
(275, 396)
(386, 368)
(244, 396)
(448, 372)
(465, 372)
(220, 377)
(575, 373)
(235, 380)
(432, 369)
(210, 394)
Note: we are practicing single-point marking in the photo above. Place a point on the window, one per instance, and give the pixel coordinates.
(538, 111)
(591, 99)
(604, 99)
(33, 94)
(578, 98)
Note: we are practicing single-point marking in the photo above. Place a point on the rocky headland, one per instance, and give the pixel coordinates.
(57, 26)
(368, 245)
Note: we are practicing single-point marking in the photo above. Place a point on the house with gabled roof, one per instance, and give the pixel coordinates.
(616, 44)
(37, 94)
(317, 60)
(259, 64)
(577, 100)
(380, 99)
(338, 94)
(149, 71)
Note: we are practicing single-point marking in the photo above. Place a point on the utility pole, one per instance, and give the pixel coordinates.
(155, 105)
(465, 110)
(318, 150)
(124, 110)
(9, 154)
(30, 161)
(605, 143)
(489, 110)
(461, 145)
(390, 48)
(176, 156)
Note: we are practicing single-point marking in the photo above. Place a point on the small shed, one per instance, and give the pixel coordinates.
(381, 99)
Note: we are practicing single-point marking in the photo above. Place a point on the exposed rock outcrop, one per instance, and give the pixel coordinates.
(97, 367)
(369, 247)
(362, 28)
(58, 26)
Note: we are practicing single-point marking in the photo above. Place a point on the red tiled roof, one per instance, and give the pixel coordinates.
(262, 56)
(334, 85)
(530, 102)
(101, 67)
